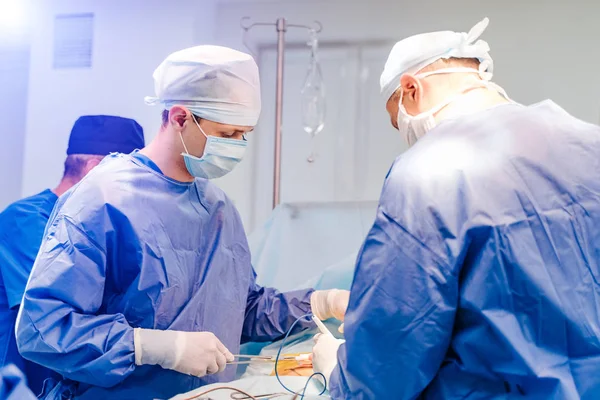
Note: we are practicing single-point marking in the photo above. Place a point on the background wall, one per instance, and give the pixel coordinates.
(14, 77)
(541, 49)
(131, 38)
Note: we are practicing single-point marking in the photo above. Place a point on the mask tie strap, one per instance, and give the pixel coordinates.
(183, 143)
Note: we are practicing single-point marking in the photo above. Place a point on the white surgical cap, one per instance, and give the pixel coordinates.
(216, 83)
(416, 52)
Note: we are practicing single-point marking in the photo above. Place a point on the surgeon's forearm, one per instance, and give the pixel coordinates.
(97, 350)
(62, 325)
(270, 313)
(399, 320)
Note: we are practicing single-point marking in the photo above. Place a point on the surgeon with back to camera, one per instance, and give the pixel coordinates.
(480, 277)
(143, 287)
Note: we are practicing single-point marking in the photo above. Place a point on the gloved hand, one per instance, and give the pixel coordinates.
(324, 355)
(327, 304)
(193, 353)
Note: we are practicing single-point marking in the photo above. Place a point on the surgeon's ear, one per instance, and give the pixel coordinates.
(411, 88)
(177, 116)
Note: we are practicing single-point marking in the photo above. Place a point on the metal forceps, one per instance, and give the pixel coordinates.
(253, 359)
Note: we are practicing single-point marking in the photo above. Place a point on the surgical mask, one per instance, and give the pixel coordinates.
(414, 127)
(220, 156)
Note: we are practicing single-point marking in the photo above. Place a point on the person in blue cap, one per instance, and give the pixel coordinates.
(144, 287)
(22, 224)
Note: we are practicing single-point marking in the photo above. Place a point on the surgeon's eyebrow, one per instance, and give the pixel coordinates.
(237, 132)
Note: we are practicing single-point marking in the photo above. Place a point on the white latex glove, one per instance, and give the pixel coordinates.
(192, 353)
(327, 304)
(324, 357)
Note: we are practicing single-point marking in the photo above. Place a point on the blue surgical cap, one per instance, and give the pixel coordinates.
(105, 134)
(414, 53)
(216, 83)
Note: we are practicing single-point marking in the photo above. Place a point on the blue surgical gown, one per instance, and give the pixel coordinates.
(21, 230)
(12, 384)
(480, 278)
(129, 247)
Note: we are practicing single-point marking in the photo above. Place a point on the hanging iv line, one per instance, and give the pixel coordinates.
(313, 96)
(281, 26)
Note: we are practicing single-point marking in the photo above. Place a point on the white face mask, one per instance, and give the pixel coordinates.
(414, 127)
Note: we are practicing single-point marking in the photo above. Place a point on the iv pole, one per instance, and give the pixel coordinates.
(281, 26)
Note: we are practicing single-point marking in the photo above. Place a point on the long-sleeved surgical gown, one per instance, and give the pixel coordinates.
(13, 384)
(22, 227)
(480, 278)
(128, 247)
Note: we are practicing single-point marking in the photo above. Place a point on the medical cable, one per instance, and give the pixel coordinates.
(270, 396)
(199, 395)
(309, 315)
(250, 397)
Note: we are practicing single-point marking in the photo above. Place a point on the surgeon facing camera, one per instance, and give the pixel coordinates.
(143, 287)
